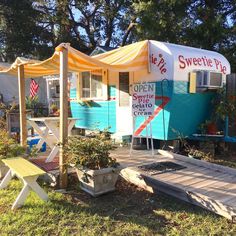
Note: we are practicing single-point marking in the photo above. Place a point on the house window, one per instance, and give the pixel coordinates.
(91, 84)
(124, 89)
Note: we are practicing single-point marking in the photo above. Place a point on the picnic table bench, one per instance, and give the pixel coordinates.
(28, 173)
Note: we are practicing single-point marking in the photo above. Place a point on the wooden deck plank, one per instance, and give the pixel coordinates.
(190, 172)
(201, 178)
(199, 181)
(231, 202)
(168, 176)
(221, 196)
(225, 194)
(185, 176)
(207, 181)
(219, 183)
(178, 177)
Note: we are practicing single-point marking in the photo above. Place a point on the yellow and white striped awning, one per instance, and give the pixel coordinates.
(129, 58)
(132, 57)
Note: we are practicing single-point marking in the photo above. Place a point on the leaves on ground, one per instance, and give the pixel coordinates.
(127, 211)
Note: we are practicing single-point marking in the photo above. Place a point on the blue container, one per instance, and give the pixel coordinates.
(34, 141)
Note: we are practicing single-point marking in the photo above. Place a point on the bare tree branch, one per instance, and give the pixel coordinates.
(127, 32)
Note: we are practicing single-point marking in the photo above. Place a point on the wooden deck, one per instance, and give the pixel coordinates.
(201, 183)
(207, 185)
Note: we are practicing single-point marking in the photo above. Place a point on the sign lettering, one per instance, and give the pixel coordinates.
(143, 99)
(201, 61)
(159, 62)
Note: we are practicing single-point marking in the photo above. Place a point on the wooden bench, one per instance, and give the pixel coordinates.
(28, 173)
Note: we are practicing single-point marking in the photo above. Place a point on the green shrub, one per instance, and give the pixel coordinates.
(31, 102)
(223, 106)
(8, 146)
(91, 152)
(6, 109)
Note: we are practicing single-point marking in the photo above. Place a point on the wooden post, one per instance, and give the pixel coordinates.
(23, 123)
(63, 114)
(48, 96)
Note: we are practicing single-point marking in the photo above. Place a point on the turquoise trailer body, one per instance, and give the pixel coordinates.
(177, 111)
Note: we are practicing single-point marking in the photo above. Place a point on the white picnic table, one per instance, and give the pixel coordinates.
(50, 135)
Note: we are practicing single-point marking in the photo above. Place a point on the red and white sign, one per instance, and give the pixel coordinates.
(175, 62)
(159, 62)
(143, 99)
(201, 61)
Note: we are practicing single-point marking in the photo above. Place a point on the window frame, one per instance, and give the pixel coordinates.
(206, 75)
(104, 83)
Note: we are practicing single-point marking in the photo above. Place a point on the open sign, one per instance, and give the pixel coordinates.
(143, 99)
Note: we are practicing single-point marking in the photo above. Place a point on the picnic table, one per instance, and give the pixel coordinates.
(50, 134)
(28, 173)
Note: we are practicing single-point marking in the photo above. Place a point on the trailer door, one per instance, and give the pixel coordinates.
(124, 118)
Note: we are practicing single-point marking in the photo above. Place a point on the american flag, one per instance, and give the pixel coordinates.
(33, 88)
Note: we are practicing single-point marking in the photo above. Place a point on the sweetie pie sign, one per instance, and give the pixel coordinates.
(143, 99)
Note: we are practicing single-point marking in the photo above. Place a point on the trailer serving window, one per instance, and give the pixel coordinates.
(91, 84)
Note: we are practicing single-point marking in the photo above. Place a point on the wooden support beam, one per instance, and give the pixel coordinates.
(63, 114)
(23, 123)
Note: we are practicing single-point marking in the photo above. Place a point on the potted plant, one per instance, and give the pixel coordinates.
(8, 148)
(208, 127)
(54, 109)
(96, 170)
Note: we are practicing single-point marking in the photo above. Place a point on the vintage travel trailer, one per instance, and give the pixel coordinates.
(186, 79)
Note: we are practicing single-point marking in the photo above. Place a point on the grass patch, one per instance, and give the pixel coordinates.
(128, 211)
